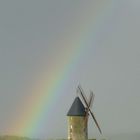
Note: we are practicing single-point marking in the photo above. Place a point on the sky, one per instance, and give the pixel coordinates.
(49, 47)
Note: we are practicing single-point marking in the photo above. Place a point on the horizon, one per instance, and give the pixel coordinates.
(107, 137)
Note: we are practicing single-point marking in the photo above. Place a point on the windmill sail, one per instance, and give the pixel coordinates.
(88, 107)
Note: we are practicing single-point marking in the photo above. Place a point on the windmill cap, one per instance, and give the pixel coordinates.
(77, 108)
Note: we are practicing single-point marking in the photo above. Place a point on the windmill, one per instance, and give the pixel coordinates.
(78, 116)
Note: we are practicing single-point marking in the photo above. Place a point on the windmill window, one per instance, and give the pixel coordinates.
(85, 130)
(71, 129)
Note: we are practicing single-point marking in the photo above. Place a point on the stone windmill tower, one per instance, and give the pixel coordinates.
(78, 117)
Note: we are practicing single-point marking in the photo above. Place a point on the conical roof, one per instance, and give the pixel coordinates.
(77, 108)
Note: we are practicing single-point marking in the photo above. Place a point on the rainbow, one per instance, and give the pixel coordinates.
(36, 107)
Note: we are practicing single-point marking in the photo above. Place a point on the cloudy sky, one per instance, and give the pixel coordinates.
(48, 47)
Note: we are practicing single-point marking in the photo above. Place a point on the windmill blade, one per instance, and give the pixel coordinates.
(86, 103)
(95, 121)
(91, 99)
(90, 103)
(84, 99)
(83, 96)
